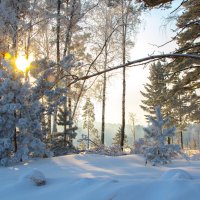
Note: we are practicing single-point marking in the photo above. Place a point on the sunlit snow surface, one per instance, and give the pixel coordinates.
(97, 177)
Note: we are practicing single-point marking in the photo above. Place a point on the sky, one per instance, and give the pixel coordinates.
(151, 31)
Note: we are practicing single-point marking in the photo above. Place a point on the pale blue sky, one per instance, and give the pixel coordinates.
(151, 31)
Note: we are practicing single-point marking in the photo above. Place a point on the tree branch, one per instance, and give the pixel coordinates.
(129, 64)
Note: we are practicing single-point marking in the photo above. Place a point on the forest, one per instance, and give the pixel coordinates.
(57, 58)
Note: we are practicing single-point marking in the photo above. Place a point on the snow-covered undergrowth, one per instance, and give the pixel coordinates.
(98, 177)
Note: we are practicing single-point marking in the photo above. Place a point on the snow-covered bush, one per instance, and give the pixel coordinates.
(34, 176)
(139, 146)
(157, 150)
(97, 148)
(113, 150)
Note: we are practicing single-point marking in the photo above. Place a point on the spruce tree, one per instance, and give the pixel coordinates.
(68, 132)
(20, 122)
(155, 90)
(187, 69)
(184, 73)
(157, 151)
(117, 138)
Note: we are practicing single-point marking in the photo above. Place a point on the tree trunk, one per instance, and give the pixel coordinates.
(104, 84)
(58, 59)
(70, 114)
(88, 132)
(58, 34)
(168, 140)
(68, 31)
(123, 108)
(103, 110)
(68, 35)
(181, 134)
(49, 127)
(65, 127)
(124, 29)
(15, 50)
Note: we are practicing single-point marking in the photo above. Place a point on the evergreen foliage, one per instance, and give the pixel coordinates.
(157, 151)
(187, 70)
(69, 133)
(88, 120)
(155, 91)
(20, 128)
(117, 138)
(184, 73)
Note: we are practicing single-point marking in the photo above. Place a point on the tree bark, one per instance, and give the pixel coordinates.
(124, 29)
(181, 134)
(58, 59)
(65, 127)
(104, 83)
(68, 35)
(103, 110)
(49, 127)
(15, 49)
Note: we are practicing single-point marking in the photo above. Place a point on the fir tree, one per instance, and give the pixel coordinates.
(187, 70)
(20, 122)
(117, 138)
(69, 133)
(157, 150)
(155, 91)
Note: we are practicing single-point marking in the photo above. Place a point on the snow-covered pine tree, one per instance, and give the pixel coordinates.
(157, 151)
(20, 117)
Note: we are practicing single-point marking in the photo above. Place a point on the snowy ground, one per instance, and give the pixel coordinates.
(97, 177)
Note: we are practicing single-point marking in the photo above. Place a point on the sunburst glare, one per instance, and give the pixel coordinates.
(22, 62)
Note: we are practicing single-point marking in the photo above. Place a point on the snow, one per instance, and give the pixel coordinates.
(176, 174)
(99, 177)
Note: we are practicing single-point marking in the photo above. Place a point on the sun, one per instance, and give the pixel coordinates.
(22, 62)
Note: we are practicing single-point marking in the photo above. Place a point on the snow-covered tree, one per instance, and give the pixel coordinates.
(157, 150)
(20, 111)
